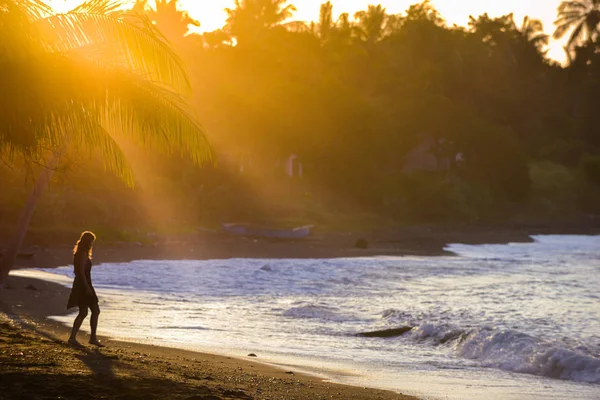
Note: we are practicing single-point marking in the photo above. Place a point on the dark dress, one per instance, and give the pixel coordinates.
(79, 297)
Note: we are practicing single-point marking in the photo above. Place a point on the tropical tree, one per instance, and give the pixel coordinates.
(581, 18)
(333, 32)
(344, 26)
(168, 18)
(523, 46)
(532, 30)
(86, 80)
(324, 28)
(496, 32)
(371, 24)
(250, 19)
(424, 11)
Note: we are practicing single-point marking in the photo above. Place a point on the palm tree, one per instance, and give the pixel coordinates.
(250, 19)
(424, 11)
(325, 26)
(532, 30)
(168, 18)
(371, 24)
(85, 80)
(344, 27)
(329, 31)
(581, 18)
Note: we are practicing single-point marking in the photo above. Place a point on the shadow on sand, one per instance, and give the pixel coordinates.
(35, 364)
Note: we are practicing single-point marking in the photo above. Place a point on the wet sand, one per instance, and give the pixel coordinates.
(37, 363)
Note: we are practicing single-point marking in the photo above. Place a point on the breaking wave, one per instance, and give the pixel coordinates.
(510, 350)
(515, 351)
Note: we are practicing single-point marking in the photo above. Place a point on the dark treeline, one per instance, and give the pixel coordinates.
(400, 116)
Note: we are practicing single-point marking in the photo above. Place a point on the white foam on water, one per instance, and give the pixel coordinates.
(518, 352)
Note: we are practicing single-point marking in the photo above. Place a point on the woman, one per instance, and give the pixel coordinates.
(83, 294)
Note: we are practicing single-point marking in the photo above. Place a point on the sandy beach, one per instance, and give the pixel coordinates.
(37, 363)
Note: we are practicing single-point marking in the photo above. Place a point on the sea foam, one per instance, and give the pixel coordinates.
(515, 351)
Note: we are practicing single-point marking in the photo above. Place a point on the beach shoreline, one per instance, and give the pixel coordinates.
(26, 304)
(37, 362)
(50, 251)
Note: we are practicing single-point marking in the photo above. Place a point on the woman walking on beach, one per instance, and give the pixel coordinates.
(83, 294)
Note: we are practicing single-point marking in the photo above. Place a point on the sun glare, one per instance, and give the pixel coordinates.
(212, 15)
(61, 6)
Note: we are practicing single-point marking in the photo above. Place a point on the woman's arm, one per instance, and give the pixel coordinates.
(80, 260)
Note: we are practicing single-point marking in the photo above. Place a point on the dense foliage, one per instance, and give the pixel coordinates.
(97, 78)
(505, 132)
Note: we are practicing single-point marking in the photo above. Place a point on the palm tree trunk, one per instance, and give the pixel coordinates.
(39, 188)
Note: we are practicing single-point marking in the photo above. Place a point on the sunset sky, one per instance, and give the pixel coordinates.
(212, 16)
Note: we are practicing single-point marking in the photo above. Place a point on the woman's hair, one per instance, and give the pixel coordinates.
(85, 243)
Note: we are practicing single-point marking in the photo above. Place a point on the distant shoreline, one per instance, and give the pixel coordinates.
(405, 241)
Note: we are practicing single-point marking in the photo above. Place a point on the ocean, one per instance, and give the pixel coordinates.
(510, 321)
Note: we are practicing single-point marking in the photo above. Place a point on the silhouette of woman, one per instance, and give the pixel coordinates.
(83, 294)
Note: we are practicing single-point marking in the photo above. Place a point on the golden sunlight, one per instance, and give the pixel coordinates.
(212, 15)
(309, 188)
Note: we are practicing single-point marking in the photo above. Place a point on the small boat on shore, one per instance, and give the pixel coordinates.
(267, 232)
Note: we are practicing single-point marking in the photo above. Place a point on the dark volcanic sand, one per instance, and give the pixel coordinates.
(36, 363)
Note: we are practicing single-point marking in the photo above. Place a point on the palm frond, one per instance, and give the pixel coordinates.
(575, 35)
(133, 39)
(81, 100)
(34, 9)
(15, 17)
(156, 117)
(98, 7)
(93, 135)
(564, 25)
(580, 17)
(80, 131)
(578, 6)
(569, 16)
(534, 24)
(129, 105)
(92, 75)
(139, 109)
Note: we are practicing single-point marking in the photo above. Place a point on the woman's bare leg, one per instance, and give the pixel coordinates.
(77, 324)
(94, 324)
